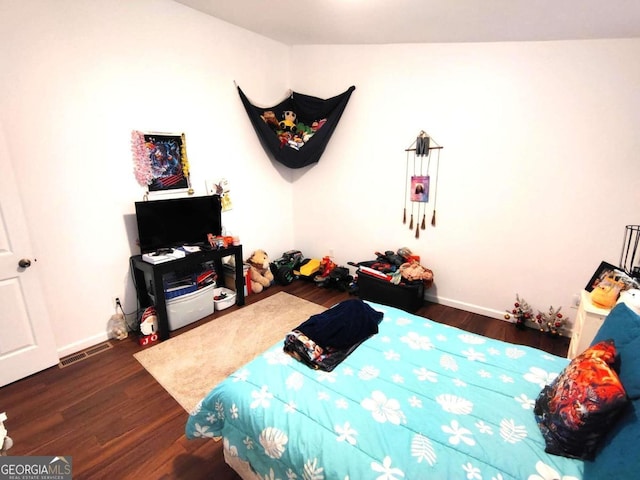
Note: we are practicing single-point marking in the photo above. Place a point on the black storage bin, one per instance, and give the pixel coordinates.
(407, 297)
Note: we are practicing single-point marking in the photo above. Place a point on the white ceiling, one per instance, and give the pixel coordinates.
(320, 22)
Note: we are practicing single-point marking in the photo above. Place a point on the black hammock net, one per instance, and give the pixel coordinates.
(296, 131)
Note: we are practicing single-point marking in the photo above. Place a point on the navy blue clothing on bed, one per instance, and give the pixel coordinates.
(342, 326)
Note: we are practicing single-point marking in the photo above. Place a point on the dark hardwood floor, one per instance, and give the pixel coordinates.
(117, 422)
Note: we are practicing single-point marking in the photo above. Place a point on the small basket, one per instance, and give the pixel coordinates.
(223, 298)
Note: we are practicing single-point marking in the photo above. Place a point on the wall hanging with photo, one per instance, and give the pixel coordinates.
(418, 180)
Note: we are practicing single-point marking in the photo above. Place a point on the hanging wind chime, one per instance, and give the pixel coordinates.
(417, 186)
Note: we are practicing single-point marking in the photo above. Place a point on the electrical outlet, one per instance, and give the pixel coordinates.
(575, 300)
(115, 301)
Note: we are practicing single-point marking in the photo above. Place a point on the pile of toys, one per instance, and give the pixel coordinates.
(400, 267)
(325, 272)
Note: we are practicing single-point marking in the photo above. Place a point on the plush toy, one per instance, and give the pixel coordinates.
(259, 272)
(288, 122)
(317, 125)
(411, 271)
(270, 119)
(5, 441)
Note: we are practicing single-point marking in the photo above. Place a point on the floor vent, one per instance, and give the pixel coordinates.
(84, 354)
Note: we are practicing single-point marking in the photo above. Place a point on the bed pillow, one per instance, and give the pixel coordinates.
(628, 368)
(622, 325)
(579, 407)
(617, 456)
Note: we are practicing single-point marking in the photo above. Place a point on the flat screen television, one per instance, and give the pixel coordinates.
(177, 221)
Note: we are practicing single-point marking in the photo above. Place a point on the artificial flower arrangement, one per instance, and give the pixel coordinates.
(521, 310)
(141, 161)
(552, 321)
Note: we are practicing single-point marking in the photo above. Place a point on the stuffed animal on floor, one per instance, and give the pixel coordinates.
(412, 271)
(5, 441)
(259, 271)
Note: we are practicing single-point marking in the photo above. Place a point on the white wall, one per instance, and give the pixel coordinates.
(538, 175)
(77, 77)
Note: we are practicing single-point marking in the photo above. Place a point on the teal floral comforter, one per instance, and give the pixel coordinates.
(418, 400)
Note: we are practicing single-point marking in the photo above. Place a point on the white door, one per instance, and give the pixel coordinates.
(27, 344)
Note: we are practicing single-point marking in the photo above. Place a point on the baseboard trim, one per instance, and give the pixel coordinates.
(487, 312)
(468, 307)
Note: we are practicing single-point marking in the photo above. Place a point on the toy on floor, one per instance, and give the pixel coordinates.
(334, 276)
(259, 271)
(5, 441)
(283, 268)
(326, 266)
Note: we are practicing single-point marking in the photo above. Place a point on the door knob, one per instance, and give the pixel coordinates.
(24, 263)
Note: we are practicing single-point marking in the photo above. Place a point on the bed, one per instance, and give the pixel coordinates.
(417, 400)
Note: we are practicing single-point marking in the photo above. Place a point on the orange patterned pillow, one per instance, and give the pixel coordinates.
(578, 408)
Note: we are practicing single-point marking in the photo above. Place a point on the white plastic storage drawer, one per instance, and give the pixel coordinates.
(190, 307)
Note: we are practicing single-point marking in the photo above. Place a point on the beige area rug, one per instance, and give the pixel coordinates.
(189, 365)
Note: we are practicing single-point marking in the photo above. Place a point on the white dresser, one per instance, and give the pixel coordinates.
(587, 323)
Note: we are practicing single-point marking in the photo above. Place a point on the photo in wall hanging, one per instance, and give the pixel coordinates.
(420, 188)
(160, 161)
(418, 181)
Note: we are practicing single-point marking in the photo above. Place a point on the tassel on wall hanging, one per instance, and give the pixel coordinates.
(418, 183)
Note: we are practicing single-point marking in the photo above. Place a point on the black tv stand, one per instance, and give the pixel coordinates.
(140, 267)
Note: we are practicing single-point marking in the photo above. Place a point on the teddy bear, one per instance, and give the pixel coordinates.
(259, 271)
(269, 117)
(412, 271)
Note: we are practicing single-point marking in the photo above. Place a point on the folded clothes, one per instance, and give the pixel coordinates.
(343, 325)
(307, 347)
(325, 339)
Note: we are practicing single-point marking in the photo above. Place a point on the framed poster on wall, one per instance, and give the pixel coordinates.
(161, 163)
